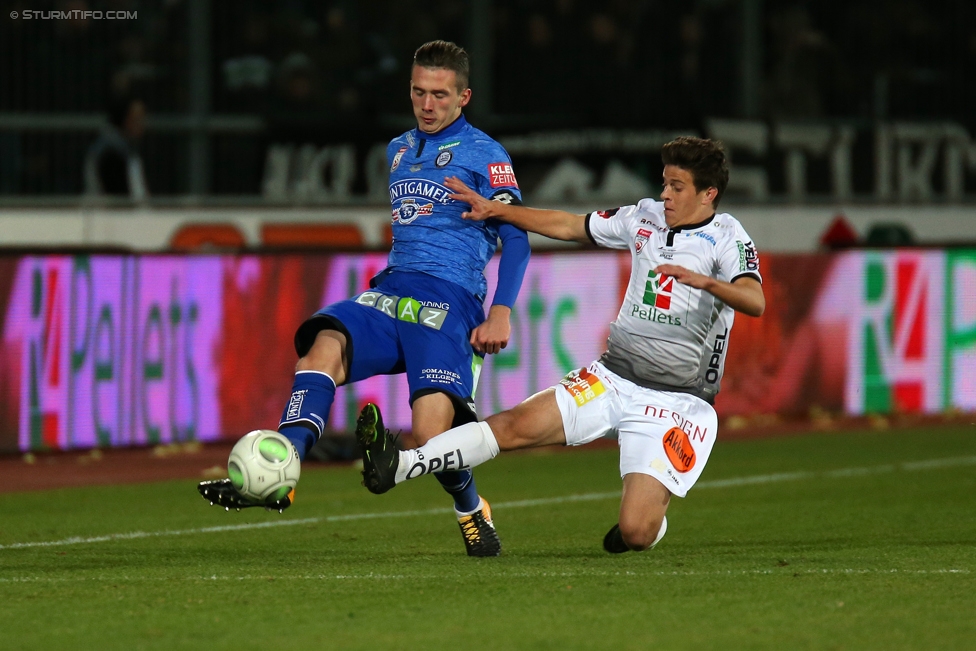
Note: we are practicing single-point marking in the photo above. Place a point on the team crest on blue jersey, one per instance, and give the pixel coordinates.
(443, 158)
(396, 159)
(409, 210)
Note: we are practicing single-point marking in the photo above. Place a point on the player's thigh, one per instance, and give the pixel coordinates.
(372, 346)
(666, 435)
(534, 422)
(438, 359)
(588, 404)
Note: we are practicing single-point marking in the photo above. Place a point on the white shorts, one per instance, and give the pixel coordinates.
(664, 434)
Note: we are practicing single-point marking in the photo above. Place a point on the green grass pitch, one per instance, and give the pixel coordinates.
(828, 541)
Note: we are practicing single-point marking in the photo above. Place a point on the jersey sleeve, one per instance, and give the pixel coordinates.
(612, 229)
(511, 267)
(738, 257)
(494, 175)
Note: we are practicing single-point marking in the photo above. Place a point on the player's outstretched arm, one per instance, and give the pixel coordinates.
(744, 294)
(557, 224)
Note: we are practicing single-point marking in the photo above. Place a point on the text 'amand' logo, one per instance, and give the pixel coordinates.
(901, 346)
(658, 292)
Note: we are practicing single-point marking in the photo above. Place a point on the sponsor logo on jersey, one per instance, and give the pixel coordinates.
(655, 315)
(413, 198)
(448, 145)
(748, 256)
(506, 197)
(409, 210)
(607, 214)
(443, 158)
(666, 252)
(419, 189)
(416, 168)
(657, 227)
(715, 361)
(500, 174)
(706, 237)
(658, 290)
(657, 300)
(643, 235)
(397, 157)
(678, 448)
(583, 386)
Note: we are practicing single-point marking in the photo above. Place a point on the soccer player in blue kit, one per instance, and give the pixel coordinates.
(424, 313)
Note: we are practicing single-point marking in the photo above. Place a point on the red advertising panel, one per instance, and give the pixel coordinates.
(135, 350)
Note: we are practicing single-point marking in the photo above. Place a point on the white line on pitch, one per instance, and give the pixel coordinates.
(929, 464)
(519, 574)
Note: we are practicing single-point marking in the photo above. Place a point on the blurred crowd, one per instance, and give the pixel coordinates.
(620, 62)
(342, 66)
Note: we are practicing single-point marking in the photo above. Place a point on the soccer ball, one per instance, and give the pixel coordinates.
(264, 466)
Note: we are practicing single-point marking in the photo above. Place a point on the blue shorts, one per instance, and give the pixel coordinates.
(409, 323)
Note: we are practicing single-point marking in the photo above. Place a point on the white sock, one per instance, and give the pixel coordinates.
(456, 449)
(660, 532)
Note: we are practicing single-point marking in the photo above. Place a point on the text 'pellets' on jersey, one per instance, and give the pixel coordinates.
(429, 234)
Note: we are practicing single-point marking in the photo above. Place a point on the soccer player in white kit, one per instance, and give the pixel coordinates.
(692, 269)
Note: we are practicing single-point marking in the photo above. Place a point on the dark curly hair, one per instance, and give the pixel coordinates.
(704, 158)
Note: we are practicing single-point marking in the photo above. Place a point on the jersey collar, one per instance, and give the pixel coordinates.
(687, 227)
(450, 130)
(691, 227)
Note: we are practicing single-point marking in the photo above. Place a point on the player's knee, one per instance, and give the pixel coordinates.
(501, 427)
(640, 533)
(326, 355)
(508, 432)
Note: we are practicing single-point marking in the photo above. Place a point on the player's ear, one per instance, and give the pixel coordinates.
(710, 195)
(465, 97)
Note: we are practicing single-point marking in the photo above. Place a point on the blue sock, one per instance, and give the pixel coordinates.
(308, 409)
(460, 484)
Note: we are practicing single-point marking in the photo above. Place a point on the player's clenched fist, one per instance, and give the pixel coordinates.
(493, 335)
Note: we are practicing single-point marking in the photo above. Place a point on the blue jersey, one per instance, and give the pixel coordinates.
(429, 234)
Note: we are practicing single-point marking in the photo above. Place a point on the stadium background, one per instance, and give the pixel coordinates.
(169, 319)
(837, 509)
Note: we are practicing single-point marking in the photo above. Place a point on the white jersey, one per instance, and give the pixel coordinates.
(669, 336)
